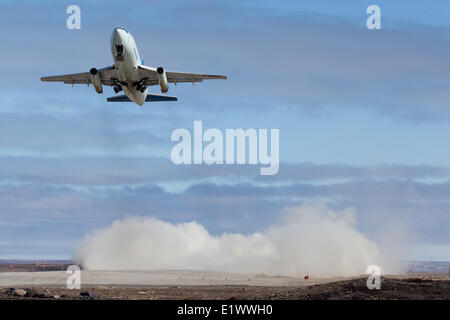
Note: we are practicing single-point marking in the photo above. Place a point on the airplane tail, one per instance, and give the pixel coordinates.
(150, 98)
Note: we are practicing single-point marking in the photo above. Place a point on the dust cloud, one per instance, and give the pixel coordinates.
(309, 239)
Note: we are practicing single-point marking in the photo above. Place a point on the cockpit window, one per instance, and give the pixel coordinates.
(123, 29)
(119, 49)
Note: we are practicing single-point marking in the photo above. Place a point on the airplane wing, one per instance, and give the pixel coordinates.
(151, 76)
(85, 77)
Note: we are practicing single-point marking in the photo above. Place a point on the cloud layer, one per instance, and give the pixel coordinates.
(363, 119)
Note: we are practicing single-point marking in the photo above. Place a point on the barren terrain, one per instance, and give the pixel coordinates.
(186, 284)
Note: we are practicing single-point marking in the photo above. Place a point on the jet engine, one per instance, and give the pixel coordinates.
(162, 78)
(96, 81)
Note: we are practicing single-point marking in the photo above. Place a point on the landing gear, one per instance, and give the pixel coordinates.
(116, 85)
(117, 89)
(141, 88)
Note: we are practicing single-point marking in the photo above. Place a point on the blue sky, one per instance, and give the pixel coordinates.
(363, 116)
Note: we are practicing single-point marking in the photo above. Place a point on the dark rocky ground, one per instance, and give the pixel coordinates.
(392, 288)
(426, 284)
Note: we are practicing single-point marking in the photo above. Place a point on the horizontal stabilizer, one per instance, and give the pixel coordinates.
(121, 98)
(159, 97)
(150, 98)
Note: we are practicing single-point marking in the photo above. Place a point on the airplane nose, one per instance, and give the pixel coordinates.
(119, 35)
(115, 35)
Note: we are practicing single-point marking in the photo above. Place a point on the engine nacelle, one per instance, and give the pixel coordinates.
(96, 81)
(162, 78)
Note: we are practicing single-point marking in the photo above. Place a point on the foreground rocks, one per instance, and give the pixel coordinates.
(12, 293)
(392, 288)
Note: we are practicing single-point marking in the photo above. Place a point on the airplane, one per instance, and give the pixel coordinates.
(130, 74)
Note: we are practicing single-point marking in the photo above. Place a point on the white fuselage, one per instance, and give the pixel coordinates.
(127, 60)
